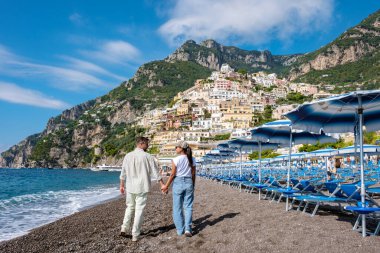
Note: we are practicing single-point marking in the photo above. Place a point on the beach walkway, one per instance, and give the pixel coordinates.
(225, 220)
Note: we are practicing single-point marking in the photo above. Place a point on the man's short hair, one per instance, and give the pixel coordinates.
(142, 139)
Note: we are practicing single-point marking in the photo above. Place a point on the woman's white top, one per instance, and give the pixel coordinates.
(183, 167)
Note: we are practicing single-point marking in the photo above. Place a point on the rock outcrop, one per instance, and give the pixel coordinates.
(359, 41)
(212, 55)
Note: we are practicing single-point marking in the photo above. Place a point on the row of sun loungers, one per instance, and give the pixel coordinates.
(309, 191)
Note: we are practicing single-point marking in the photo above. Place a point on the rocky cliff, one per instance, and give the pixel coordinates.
(212, 55)
(353, 45)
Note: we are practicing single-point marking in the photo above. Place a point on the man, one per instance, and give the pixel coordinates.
(138, 167)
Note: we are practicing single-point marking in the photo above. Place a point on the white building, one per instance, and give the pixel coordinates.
(194, 135)
(257, 108)
(240, 133)
(213, 108)
(202, 124)
(226, 68)
(214, 75)
(226, 94)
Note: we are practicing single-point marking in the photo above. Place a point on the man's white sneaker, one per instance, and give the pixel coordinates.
(135, 238)
(188, 234)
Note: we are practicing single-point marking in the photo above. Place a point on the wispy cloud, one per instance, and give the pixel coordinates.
(90, 67)
(77, 19)
(3, 147)
(114, 51)
(246, 21)
(13, 93)
(78, 76)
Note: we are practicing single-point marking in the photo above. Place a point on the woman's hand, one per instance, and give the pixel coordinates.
(164, 189)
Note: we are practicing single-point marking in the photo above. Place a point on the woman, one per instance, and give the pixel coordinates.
(183, 178)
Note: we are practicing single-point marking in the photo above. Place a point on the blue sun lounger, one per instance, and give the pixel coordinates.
(336, 196)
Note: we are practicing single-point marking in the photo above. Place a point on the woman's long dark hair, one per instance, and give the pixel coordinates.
(189, 155)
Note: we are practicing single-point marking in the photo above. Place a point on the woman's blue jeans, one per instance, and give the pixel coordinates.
(183, 198)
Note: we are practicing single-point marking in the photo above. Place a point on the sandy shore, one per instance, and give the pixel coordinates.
(225, 220)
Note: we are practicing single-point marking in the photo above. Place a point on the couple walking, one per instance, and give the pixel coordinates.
(135, 181)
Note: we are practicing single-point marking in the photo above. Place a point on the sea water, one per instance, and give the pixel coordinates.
(30, 198)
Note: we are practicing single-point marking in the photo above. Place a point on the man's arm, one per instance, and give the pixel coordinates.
(123, 174)
(154, 171)
(122, 186)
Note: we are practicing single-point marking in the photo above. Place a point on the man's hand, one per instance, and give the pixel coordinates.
(122, 189)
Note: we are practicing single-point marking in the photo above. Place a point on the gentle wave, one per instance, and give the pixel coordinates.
(22, 213)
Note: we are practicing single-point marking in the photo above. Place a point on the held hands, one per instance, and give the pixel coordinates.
(164, 189)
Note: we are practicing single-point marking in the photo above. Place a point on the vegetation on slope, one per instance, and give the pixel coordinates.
(165, 79)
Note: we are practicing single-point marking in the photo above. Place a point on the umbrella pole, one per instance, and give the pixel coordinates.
(289, 165)
(362, 188)
(259, 169)
(241, 165)
(355, 150)
(327, 177)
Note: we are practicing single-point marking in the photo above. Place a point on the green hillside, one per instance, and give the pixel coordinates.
(168, 79)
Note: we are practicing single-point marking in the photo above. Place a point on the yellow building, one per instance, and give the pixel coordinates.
(237, 112)
(183, 109)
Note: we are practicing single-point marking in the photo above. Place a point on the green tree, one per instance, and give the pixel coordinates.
(264, 117)
(222, 137)
(207, 114)
(264, 154)
(339, 144)
(242, 71)
(293, 98)
(153, 150)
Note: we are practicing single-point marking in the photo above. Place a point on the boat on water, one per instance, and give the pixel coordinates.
(105, 167)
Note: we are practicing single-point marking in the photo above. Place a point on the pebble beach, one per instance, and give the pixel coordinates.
(224, 220)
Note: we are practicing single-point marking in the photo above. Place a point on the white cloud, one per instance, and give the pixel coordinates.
(114, 51)
(246, 21)
(15, 94)
(60, 77)
(91, 67)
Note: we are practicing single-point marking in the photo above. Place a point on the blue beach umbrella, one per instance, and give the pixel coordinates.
(281, 131)
(326, 152)
(368, 149)
(251, 145)
(223, 146)
(323, 153)
(218, 155)
(340, 114)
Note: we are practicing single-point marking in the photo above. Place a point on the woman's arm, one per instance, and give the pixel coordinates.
(193, 174)
(171, 178)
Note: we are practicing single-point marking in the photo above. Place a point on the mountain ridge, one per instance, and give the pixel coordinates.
(211, 54)
(358, 42)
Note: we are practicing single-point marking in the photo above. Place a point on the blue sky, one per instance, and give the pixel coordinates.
(56, 54)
